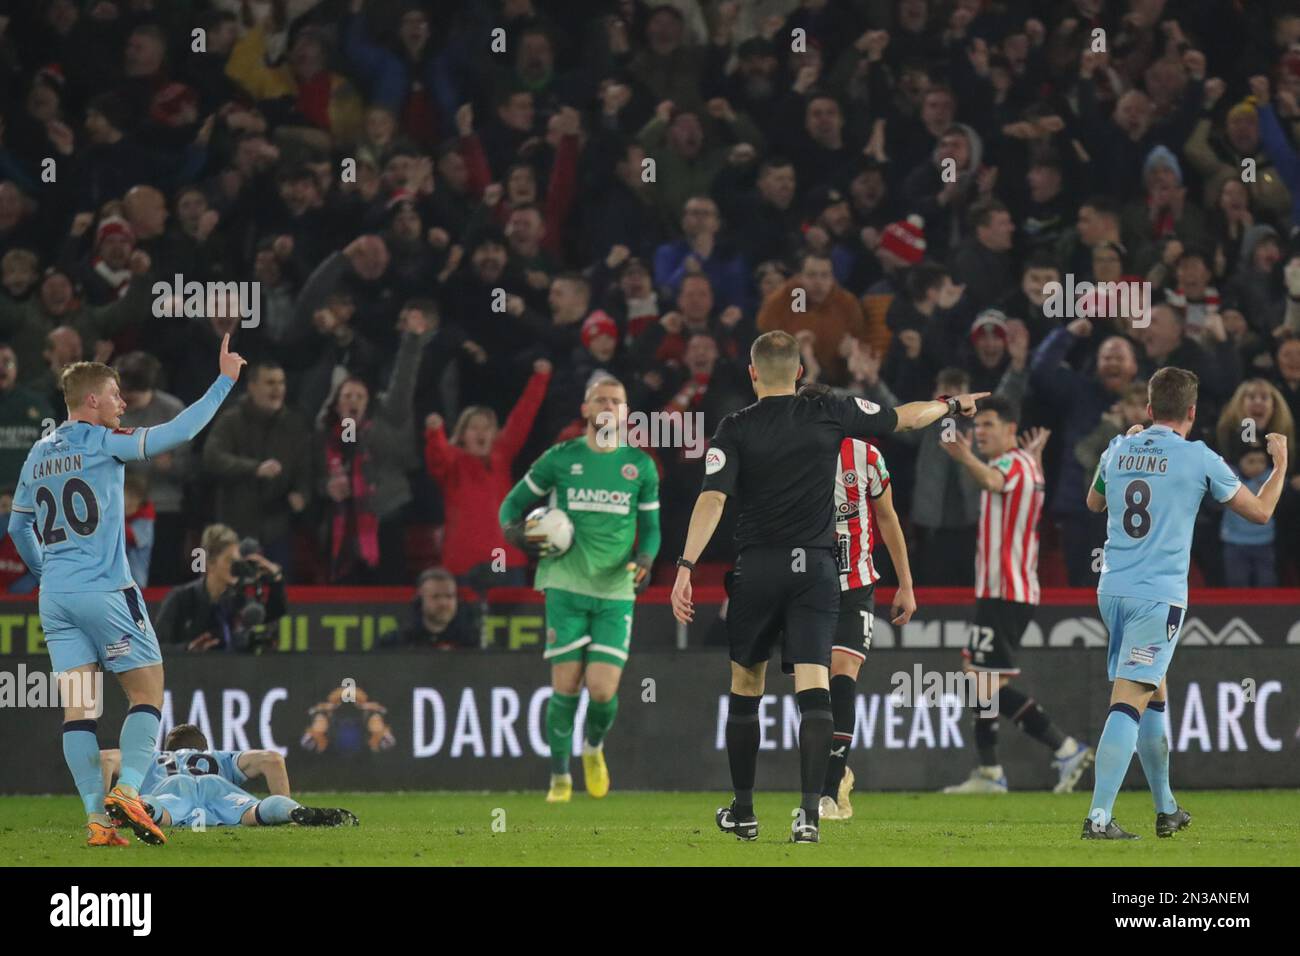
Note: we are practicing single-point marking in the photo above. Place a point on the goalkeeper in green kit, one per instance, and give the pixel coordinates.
(611, 494)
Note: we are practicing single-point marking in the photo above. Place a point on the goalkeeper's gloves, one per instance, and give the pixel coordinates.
(532, 547)
(641, 561)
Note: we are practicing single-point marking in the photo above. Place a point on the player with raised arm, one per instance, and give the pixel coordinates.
(864, 513)
(68, 525)
(1012, 491)
(1151, 482)
(610, 492)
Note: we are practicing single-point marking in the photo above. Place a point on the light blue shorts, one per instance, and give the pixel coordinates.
(212, 800)
(111, 628)
(1143, 635)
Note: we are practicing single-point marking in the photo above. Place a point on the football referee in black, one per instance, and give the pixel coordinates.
(779, 456)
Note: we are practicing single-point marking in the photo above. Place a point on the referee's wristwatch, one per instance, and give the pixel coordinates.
(954, 406)
(683, 563)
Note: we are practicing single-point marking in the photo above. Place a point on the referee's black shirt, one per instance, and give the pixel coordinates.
(778, 458)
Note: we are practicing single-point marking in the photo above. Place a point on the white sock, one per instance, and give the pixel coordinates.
(588, 749)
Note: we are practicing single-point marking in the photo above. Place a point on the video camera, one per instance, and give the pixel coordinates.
(249, 631)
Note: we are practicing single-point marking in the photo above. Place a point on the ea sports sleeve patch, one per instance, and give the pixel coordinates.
(721, 461)
(863, 418)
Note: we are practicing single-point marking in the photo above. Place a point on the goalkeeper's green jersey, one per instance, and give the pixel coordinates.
(613, 500)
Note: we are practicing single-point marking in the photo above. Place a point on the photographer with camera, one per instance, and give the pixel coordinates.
(230, 605)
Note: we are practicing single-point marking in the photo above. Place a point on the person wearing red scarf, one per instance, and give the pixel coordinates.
(366, 450)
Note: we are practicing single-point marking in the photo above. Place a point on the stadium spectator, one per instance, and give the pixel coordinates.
(1256, 409)
(945, 501)
(25, 326)
(364, 450)
(62, 348)
(1248, 557)
(1130, 410)
(701, 250)
(982, 262)
(438, 621)
(140, 514)
(24, 414)
(258, 454)
(14, 576)
(18, 276)
(301, 87)
(414, 82)
(1079, 400)
(813, 301)
(686, 162)
(165, 474)
(473, 471)
(209, 613)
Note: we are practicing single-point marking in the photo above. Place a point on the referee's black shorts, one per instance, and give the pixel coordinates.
(778, 600)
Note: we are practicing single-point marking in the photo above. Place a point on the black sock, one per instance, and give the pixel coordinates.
(986, 738)
(816, 727)
(1031, 718)
(843, 691)
(743, 735)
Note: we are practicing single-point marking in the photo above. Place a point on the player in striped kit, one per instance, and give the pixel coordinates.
(1006, 590)
(864, 514)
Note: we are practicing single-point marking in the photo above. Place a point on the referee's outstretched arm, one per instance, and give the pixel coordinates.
(916, 415)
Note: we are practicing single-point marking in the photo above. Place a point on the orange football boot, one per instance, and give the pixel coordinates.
(130, 812)
(102, 834)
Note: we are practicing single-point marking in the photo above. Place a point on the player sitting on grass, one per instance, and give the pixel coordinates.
(188, 783)
(1151, 483)
(611, 493)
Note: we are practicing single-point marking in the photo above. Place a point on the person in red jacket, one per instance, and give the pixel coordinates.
(473, 470)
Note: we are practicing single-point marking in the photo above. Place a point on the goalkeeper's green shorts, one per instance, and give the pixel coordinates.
(588, 629)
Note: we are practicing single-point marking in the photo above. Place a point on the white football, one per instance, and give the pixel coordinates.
(552, 526)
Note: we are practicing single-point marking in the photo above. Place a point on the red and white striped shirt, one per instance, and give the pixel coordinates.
(1006, 560)
(862, 477)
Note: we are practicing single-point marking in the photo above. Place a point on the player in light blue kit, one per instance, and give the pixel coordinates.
(188, 782)
(68, 523)
(1151, 482)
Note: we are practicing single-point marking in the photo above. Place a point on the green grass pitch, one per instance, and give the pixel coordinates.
(1234, 828)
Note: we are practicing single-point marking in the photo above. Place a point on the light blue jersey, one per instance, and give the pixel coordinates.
(193, 763)
(1154, 483)
(70, 495)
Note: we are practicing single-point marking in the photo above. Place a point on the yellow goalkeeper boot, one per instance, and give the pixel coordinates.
(561, 789)
(594, 771)
(842, 798)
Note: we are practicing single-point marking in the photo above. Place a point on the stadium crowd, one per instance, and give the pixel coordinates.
(458, 213)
